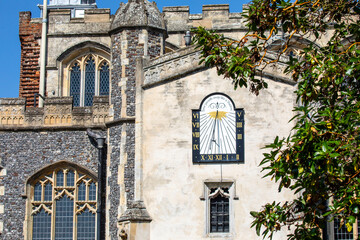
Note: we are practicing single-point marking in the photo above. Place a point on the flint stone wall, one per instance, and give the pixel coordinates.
(24, 153)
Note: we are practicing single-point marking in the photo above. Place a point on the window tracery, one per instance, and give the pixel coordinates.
(63, 206)
(219, 209)
(89, 76)
(219, 196)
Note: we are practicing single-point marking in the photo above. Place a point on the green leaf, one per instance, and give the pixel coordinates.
(351, 220)
(254, 214)
(312, 168)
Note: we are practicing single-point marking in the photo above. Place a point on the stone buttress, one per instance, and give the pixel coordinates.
(137, 32)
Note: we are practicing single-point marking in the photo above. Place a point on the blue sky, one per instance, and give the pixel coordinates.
(9, 25)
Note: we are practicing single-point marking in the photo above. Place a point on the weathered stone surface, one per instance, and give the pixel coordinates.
(138, 13)
(147, 119)
(171, 66)
(57, 111)
(136, 212)
(115, 134)
(12, 101)
(24, 153)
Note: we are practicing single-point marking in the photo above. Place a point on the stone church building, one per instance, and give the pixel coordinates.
(127, 136)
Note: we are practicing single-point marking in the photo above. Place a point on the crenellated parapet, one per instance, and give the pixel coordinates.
(12, 111)
(216, 17)
(94, 21)
(57, 112)
(187, 60)
(171, 65)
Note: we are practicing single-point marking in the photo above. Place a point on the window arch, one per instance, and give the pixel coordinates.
(62, 204)
(88, 76)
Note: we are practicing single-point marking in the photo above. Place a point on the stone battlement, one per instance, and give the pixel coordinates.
(57, 112)
(95, 21)
(215, 17)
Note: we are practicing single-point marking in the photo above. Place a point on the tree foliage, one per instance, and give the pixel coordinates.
(319, 160)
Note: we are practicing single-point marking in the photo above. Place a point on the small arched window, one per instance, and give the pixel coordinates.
(63, 205)
(219, 209)
(89, 77)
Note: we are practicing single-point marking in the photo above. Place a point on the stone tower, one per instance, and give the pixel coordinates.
(77, 7)
(137, 32)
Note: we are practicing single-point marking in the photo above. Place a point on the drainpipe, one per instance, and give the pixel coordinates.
(43, 54)
(100, 143)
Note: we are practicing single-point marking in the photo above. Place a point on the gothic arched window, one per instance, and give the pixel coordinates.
(63, 205)
(89, 76)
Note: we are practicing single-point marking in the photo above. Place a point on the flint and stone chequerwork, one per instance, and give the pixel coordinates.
(153, 190)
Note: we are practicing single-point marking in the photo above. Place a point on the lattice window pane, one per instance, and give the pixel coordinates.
(42, 226)
(64, 219)
(75, 80)
(82, 192)
(37, 192)
(92, 192)
(70, 178)
(63, 208)
(48, 192)
(104, 79)
(341, 233)
(219, 214)
(89, 82)
(60, 178)
(86, 226)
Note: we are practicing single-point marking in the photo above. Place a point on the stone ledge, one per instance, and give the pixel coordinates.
(58, 100)
(97, 11)
(176, 9)
(12, 101)
(216, 7)
(101, 99)
(51, 128)
(59, 12)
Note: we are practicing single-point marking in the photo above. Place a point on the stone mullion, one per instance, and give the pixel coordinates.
(53, 212)
(82, 81)
(97, 76)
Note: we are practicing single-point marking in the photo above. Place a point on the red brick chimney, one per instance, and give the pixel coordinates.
(30, 36)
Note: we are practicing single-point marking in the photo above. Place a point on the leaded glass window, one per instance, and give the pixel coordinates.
(86, 226)
(64, 218)
(42, 225)
(75, 81)
(64, 206)
(104, 79)
(219, 210)
(219, 196)
(89, 77)
(341, 232)
(89, 81)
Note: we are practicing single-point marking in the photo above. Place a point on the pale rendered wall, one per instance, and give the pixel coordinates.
(173, 184)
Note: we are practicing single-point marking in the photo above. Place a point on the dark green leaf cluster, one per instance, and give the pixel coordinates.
(320, 160)
(231, 58)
